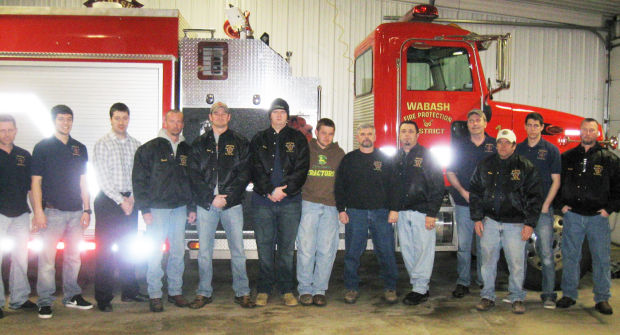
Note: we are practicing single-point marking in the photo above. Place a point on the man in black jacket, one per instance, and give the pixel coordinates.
(505, 201)
(415, 200)
(163, 194)
(279, 166)
(590, 192)
(361, 189)
(219, 171)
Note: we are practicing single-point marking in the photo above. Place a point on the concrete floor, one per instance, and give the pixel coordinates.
(440, 315)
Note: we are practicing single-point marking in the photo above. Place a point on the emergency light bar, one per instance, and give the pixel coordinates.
(425, 13)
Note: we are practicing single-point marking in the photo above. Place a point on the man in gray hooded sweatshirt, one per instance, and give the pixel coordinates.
(162, 193)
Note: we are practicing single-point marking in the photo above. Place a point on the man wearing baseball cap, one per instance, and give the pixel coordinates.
(505, 202)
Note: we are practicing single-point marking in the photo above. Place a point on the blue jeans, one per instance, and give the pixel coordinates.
(596, 229)
(356, 238)
(17, 229)
(417, 245)
(507, 236)
(544, 248)
(465, 235)
(66, 225)
(276, 225)
(232, 221)
(167, 223)
(317, 243)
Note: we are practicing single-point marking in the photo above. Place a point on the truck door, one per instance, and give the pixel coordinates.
(438, 85)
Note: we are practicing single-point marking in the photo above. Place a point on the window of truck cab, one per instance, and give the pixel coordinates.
(437, 68)
(363, 73)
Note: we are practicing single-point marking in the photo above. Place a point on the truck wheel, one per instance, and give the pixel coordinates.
(533, 275)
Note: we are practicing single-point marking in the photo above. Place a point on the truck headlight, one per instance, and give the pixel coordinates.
(442, 154)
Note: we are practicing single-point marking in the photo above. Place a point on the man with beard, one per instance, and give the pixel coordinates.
(590, 192)
(362, 185)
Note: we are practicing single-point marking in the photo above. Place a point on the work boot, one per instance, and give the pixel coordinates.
(200, 301)
(350, 296)
(261, 299)
(178, 300)
(305, 299)
(245, 301)
(289, 299)
(518, 307)
(390, 296)
(155, 305)
(565, 302)
(319, 300)
(485, 304)
(603, 307)
(460, 291)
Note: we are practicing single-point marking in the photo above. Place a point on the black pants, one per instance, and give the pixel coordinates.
(113, 227)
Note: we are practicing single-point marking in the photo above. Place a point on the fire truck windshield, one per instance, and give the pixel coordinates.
(438, 69)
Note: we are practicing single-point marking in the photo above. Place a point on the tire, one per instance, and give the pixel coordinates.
(533, 275)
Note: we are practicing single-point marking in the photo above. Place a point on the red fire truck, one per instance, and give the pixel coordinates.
(431, 73)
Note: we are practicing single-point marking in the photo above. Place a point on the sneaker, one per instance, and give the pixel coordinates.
(26, 305)
(77, 301)
(289, 299)
(485, 304)
(460, 291)
(415, 298)
(549, 303)
(350, 297)
(155, 305)
(305, 299)
(518, 307)
(245, 301)
(565, 302)
(45, 312)
(261, 299)
(603, 307)
(319, 300)
(390, 296)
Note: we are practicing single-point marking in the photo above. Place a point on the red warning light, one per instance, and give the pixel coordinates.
(426, 12)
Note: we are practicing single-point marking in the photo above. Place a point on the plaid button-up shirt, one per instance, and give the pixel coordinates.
(113, 163)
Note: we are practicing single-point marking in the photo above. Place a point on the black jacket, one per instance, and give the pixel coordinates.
(417, 182)
(229, 165)
(161, 180)
(294, 157)
(592, 187)
(507, 190)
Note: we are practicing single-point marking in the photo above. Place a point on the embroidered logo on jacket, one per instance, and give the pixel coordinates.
(516, 175)
(377, 165)
(488, 147)
(322, 159)
(183, 159)
(418, 162)
(598, 170)
(75, 150)
(290, 146)
(230, 148)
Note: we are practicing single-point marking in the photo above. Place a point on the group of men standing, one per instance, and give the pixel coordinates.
(503, 192)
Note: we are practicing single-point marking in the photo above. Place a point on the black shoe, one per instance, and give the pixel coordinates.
(104, 307)
(1, 313)
(460, 291)
(136, 298)
(77, 301)
(26, 305)
(45, 312)
(415, 298)
(603, 307)
(565, 302)
(156, 305)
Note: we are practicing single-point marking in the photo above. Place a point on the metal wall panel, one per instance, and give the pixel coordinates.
(551, 68)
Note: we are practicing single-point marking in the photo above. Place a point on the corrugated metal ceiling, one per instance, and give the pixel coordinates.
(607, 8)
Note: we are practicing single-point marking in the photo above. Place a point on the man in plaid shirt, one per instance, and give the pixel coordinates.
(116, 219)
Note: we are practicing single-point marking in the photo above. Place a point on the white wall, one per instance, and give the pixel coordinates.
(557, 69)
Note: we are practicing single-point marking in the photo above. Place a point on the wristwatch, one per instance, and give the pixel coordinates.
(89, 211)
